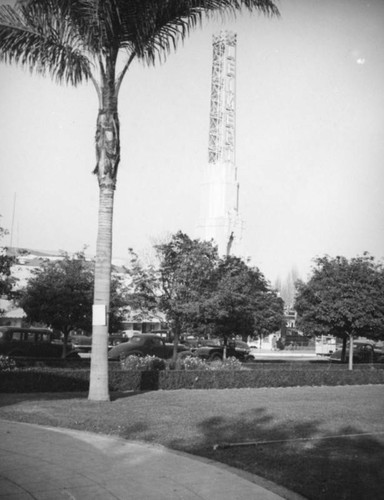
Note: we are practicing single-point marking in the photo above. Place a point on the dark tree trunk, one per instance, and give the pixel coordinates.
(176, 337)
(344, 349)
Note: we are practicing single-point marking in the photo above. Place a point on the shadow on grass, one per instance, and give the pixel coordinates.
(8, 399)
(334, 467)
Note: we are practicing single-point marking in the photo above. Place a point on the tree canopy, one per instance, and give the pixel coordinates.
(242, 302)
(203, 294)
(7, 281)
(60, 295)
(344, 298)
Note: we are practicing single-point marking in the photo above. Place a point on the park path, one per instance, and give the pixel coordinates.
(46, 463)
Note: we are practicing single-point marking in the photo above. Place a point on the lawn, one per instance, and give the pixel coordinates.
(286, 422)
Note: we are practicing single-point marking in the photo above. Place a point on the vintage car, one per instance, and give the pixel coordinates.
(143, 345)
(364, 351)
(32, 343)
(213, 350)
(83, 343)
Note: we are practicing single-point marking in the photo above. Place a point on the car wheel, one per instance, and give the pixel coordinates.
(73, 355)
(216, 357)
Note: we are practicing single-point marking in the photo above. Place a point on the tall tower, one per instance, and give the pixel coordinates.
(219, 217)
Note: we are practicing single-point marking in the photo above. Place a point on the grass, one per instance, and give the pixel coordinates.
(346, 468)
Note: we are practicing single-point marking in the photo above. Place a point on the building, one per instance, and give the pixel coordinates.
(219, 213)
(29, 260)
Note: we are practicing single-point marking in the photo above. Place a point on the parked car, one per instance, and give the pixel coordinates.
(213, 350)
(116, 339)
(32, 343)
(143, 345)
(364, 351)
(243, 349)
(83, 343)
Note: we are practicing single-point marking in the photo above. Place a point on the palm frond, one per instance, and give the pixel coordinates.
(62, 37)
(152, 28)
(42, 38)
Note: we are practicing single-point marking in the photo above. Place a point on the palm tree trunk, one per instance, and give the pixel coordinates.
(108, 158)
(98, 386)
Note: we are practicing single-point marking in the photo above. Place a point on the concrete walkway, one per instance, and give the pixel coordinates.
(47, 463)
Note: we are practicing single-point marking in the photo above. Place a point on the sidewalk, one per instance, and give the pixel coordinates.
(47, 463)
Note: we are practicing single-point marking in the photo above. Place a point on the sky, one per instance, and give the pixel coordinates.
(309, 145)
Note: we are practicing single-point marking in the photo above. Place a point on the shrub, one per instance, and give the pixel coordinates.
(193, 363)
(233, 379)
(147, 363)
(44, 380)
(188, 363)
(228, 364)
(65, 379)
(7, 364)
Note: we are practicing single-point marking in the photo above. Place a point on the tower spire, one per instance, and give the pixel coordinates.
(219, 218)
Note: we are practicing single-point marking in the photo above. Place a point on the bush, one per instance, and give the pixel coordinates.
(66, 380)
(193, 363)
(7, 364)
(229, 364)
(147, 363)
(280, 377)
(188, 363)
(44, 380)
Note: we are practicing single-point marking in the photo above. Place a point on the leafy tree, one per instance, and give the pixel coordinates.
(7, 281)
(198, 290)
(344, 298)
(179, 285)
(80, 40)
(60, 295)
(242, 302)
(269, 313)
(118, 302)
(186, 269)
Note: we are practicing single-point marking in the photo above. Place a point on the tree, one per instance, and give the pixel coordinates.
(243, 302)
(344, 298)
(60, 296)
(199, 291)
(118, 302)
(7, 281)
(180, 284)
(80, 40)
(186, 270)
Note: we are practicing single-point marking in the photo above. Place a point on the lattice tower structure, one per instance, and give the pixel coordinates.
(219, 216)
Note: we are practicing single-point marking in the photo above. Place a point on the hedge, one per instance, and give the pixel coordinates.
(267, 378)
(66, 380)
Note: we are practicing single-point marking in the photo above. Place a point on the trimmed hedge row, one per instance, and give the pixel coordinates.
(267, 378)
(64, 380)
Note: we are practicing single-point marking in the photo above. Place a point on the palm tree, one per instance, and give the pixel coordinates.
(87, 40)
